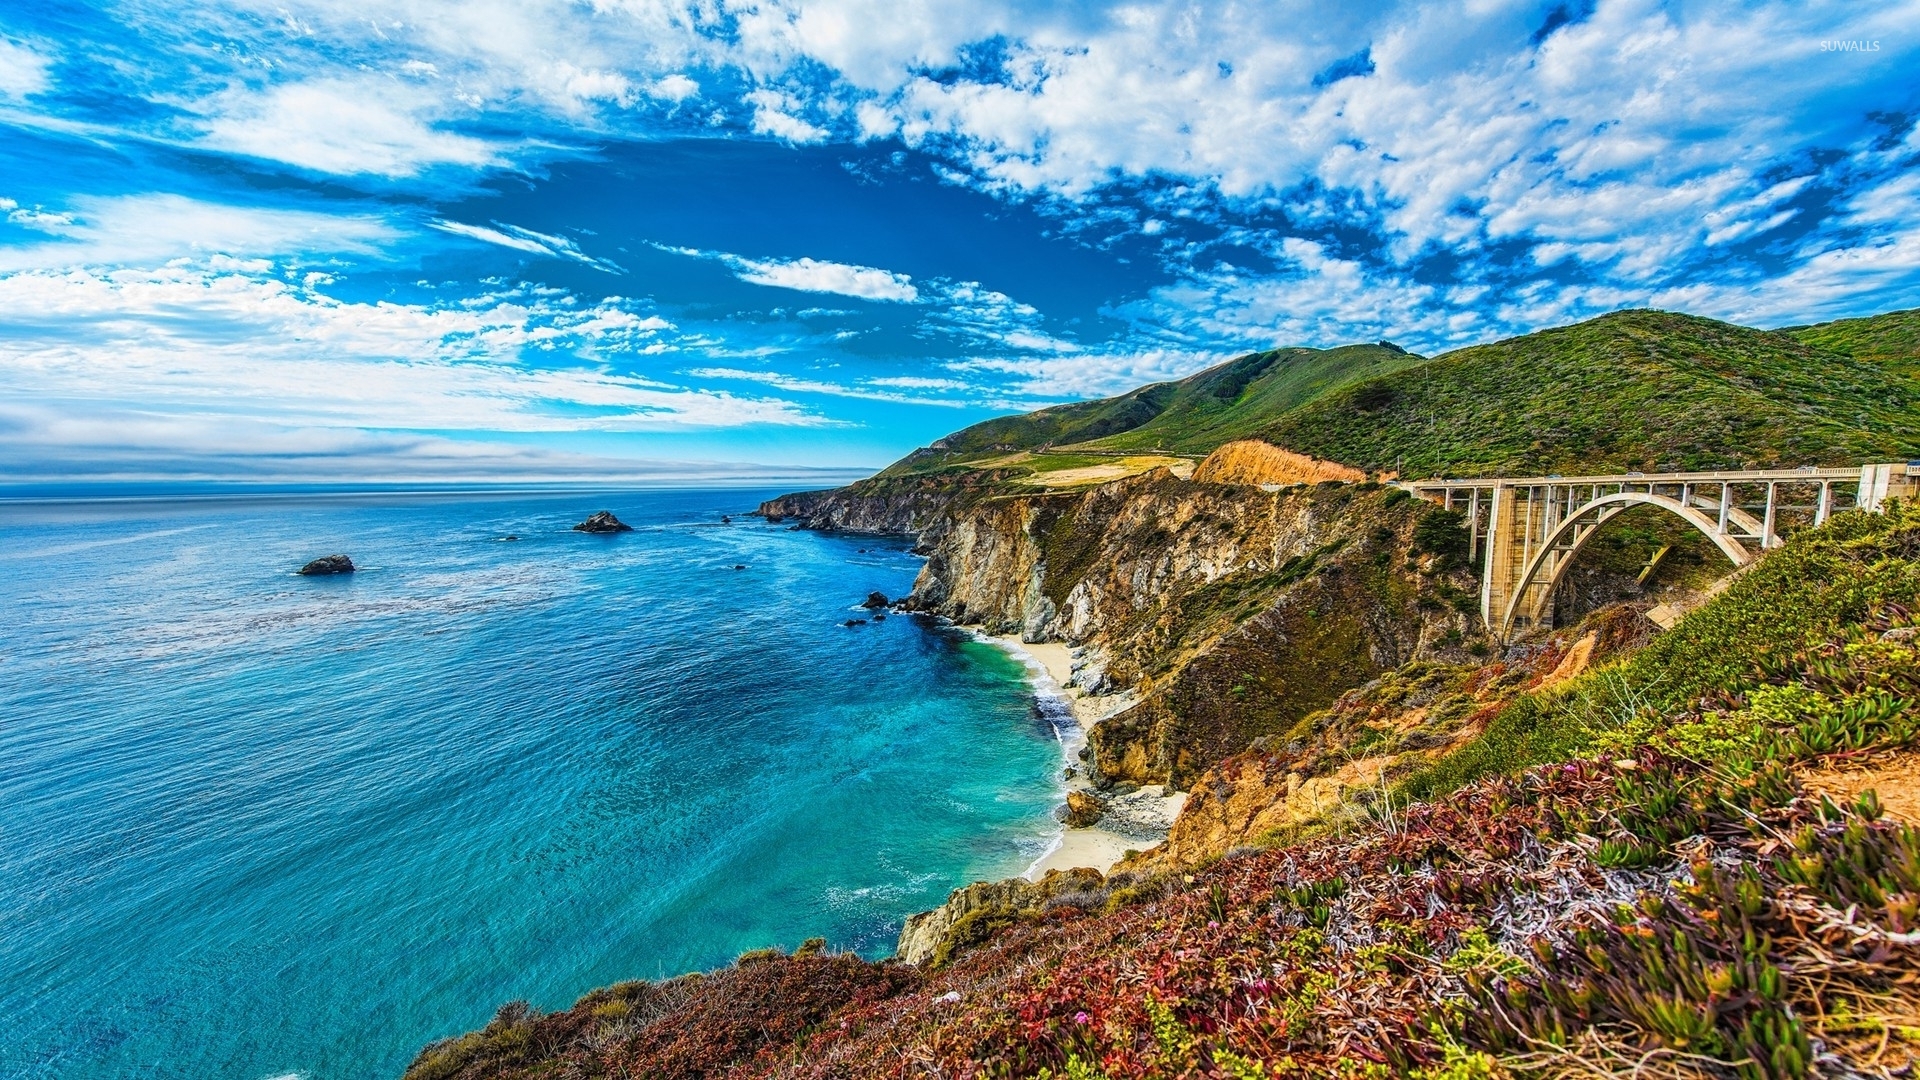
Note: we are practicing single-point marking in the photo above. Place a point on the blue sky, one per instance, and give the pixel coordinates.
(729, 239)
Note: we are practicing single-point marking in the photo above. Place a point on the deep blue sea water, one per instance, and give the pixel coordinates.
(253, 824)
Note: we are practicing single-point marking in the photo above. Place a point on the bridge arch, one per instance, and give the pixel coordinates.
(1525, 531)
(1557, 552)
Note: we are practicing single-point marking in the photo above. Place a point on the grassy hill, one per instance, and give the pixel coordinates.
(1237, 399)
(1892, 339)
(1645, 390)
(1188, 417)
(1634, 390)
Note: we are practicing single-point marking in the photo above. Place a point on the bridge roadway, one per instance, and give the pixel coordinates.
(1527, 531)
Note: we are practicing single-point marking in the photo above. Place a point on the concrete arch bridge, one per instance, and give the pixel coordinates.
(1527, 531)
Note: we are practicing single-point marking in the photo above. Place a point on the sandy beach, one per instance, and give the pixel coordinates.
(1097, 847)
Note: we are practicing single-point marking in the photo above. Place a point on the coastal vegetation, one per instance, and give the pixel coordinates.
(1191, 416)
(1408, 848)
(1635, 390)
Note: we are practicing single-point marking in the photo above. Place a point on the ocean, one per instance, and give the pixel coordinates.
(255, 825)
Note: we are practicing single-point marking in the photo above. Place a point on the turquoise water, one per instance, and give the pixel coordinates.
(253, 824)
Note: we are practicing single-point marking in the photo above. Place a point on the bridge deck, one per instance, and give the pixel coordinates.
(1725, 476)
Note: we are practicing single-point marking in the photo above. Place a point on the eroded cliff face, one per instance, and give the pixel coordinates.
(1341, 761)
(1232, 615)
(1233, 611)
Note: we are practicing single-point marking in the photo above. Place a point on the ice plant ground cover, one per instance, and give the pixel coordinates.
(1685, 893)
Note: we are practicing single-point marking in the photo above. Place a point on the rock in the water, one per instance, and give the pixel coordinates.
(602, 521)
(876, 600)
(1083, 809)
(508, 538)
(726, 519)
(739, 566)
(854, 622)
(331, 564)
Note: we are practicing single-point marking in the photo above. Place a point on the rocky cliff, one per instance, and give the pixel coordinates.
(921, 506)
(1233, 611)
(1289, 650)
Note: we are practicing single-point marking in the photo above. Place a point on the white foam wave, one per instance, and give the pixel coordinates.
(1057, 709)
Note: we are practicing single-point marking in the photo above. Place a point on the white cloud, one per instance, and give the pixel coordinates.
(865, 392)
(1317, 299)
(1638, 152)
(813, 275)
(772, 115)
(675, 87)
(1824, 285)
(818, 275)
(1088, 375)
(519, 239)
(235, 340)
(1631, 142)
(987, 317)
(36, 218)
(1610, 143)
(340, 126)
(594, 85)
(491, 236)
(23, 71)
(919, 382)
(154, 228)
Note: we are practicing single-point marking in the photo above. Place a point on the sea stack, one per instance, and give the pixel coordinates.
(602, 521)
(330, 564)
(875, 601)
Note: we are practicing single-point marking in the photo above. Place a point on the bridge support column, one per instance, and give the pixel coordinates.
(1507, 543)
(1878, 483)
(1473, 524)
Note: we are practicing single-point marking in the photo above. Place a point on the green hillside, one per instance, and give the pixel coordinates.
(1634, 390)
(1235, 400)
(1191, 416)
(1892, 339)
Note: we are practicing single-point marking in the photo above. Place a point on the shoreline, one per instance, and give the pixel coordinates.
(1050, 672)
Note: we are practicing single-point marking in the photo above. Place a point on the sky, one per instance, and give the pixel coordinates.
(735, 240)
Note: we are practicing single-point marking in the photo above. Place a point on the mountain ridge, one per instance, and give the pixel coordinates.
(1632, 390)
